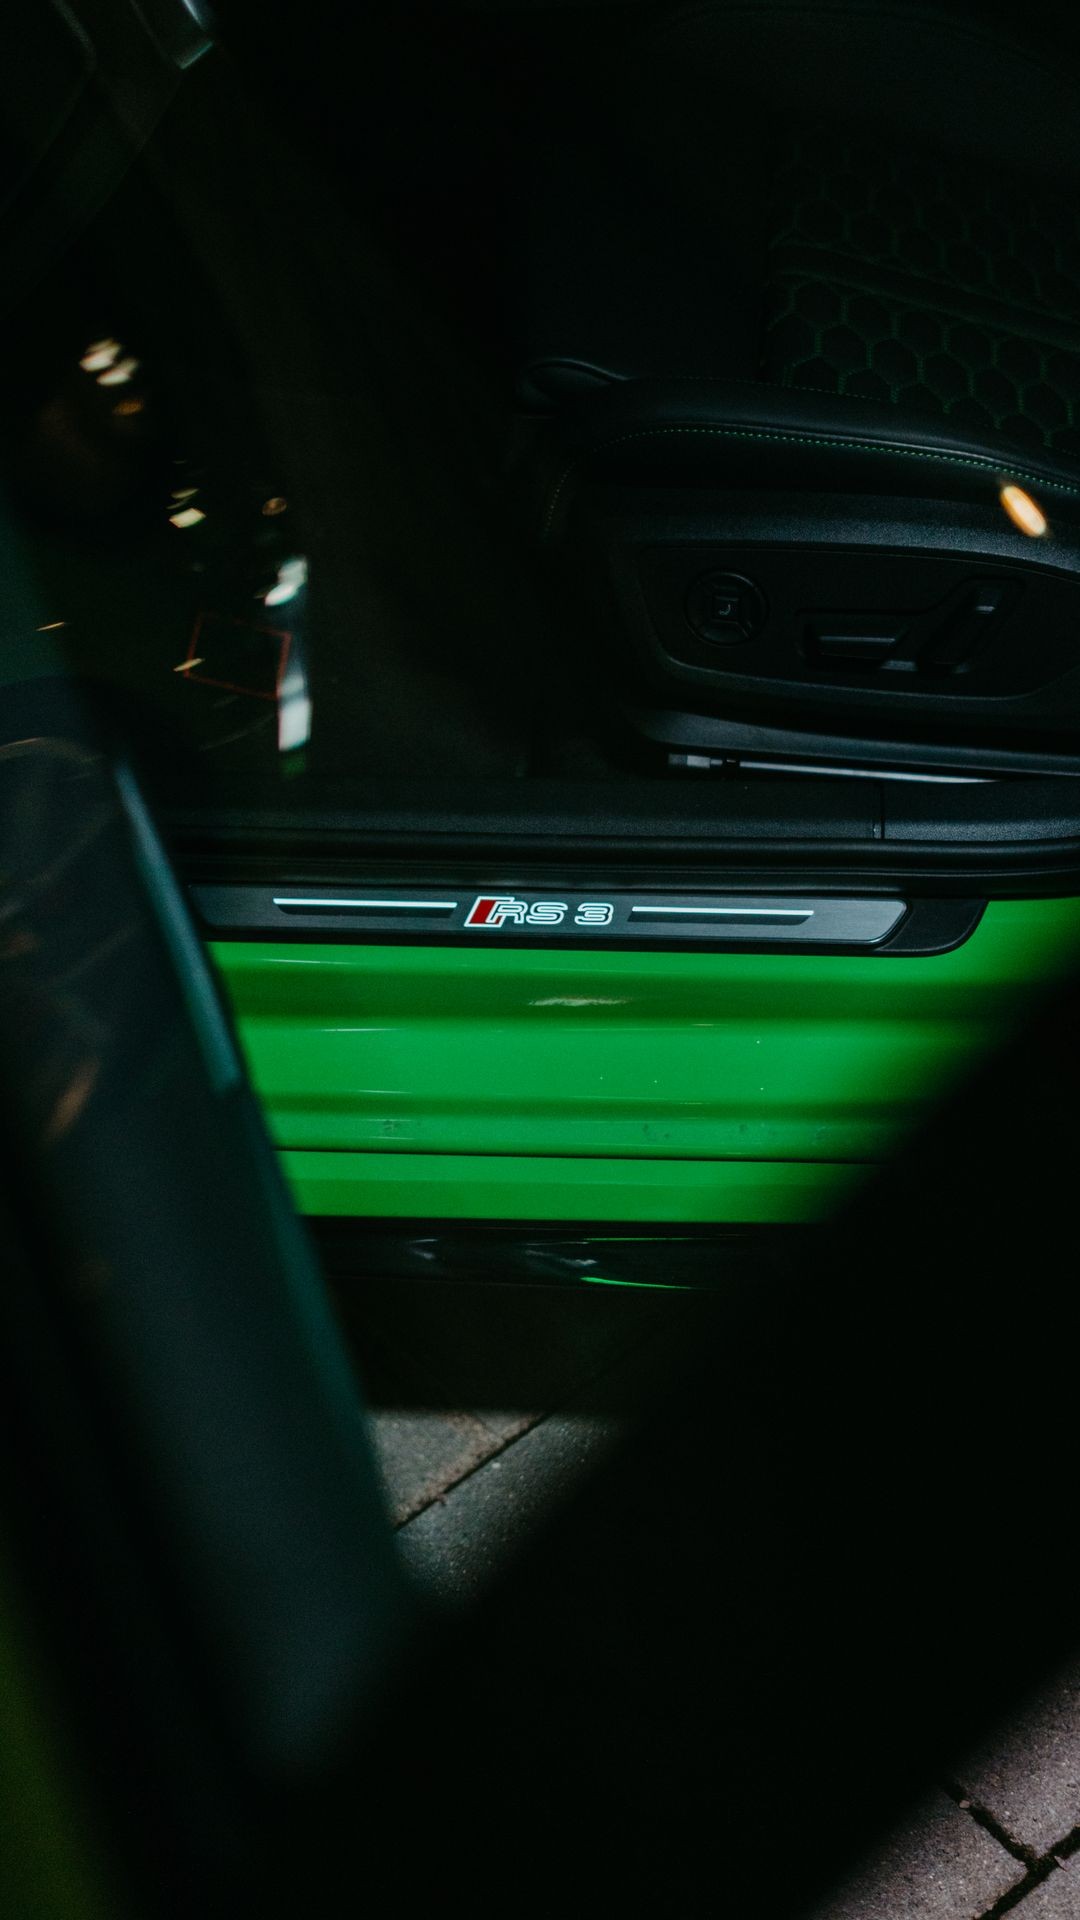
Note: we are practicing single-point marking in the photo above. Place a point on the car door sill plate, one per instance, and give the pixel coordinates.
(504, 915)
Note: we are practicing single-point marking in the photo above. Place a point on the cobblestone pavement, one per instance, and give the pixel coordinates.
(490, 1404)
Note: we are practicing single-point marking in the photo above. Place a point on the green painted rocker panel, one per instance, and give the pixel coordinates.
(503, 1187)
(626, 1086)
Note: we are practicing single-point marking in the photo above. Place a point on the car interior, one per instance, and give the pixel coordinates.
(643, 433)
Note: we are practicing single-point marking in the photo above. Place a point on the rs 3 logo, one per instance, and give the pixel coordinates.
(492, 911)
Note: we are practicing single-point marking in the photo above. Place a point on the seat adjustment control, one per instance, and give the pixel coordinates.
(961, 635)
(855, 641)
(724, 608)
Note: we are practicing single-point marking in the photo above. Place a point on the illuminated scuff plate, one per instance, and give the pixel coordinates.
(500, 915)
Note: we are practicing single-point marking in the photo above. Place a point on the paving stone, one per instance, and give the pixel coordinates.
(1028, 1773)
(456, 1545)
(939, 1865)
(427, 1352)
(422, 1454)
(1058, 1898)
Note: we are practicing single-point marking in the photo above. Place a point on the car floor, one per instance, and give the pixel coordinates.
(491, 1405)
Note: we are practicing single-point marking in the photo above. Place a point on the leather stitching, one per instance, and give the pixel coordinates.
(981, 463)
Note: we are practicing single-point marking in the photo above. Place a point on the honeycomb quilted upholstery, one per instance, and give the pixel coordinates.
(909, 281)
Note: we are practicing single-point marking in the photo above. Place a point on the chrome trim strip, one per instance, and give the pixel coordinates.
(776, 915)
(290, 902)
